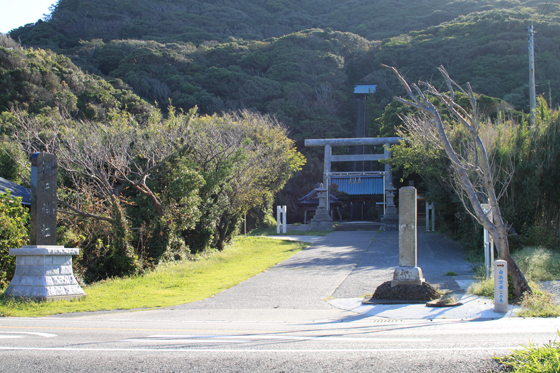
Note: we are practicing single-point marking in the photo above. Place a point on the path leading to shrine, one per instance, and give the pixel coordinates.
(303, 315)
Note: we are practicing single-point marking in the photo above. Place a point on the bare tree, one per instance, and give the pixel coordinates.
(473, 170)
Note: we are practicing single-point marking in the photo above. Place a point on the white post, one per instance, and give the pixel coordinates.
(281, 218)
(278, 219)
(488, 243)
(500, 286)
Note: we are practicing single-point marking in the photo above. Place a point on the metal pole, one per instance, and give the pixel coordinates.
(532, 93)
(427, 216)
(326, 173)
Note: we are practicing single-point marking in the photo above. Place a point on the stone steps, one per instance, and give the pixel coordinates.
(358, 226)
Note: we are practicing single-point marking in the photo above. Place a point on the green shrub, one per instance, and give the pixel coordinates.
(538, 304)
(13, 234)
(538, 263)
(545, 359)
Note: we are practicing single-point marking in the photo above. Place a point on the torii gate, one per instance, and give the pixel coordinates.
(365, 141)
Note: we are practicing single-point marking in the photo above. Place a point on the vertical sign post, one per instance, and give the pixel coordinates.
(500, 286)
(488, 243)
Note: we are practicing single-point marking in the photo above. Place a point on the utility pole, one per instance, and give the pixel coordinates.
(532, 94)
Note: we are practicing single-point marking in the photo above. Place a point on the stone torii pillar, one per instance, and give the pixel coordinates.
(365, 141)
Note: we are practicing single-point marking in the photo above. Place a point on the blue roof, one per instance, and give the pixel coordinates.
(16, 191)
(364, 89)
(370, 185)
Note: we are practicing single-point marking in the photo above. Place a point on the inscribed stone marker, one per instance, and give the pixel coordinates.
(408, 272)
(407, 228)
(43, 199)
(44, 270)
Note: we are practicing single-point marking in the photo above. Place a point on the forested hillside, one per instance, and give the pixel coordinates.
(297, 60)
(226, 55)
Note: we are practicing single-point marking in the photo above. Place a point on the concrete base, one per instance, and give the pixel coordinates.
(44, 272)
(391, 222)
(407, 276)
(321, 225)
(322, 221)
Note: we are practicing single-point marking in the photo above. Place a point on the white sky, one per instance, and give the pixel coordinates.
(15, 13)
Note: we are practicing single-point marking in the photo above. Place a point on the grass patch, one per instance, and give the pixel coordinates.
(538, 264)
(272, 232)
(450, 273)
(544, 359)
(483, 288)
(171, 283)
(538, 304)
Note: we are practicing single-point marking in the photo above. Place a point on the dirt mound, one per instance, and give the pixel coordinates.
(406, 292)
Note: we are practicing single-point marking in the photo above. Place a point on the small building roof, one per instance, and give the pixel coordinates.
(311, 198)
(364, 89)
(16, 191)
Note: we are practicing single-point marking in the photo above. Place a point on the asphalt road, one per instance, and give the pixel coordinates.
(282, 320)
(368, 345)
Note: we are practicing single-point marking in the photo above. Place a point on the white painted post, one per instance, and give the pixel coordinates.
(281, 218)
(500, 286)
(488, 242)
(278, 219)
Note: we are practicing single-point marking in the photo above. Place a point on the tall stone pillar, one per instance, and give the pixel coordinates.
(43, 269)
(408, 272)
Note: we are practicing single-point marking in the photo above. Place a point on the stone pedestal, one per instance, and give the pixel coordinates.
(391, 216)
(44, 272)
(322, 221)
(407, 276)
(408, 272)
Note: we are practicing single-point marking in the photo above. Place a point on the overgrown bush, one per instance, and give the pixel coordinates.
(13, 234)
(539, 263)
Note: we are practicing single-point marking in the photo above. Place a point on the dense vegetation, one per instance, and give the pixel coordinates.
(97, 66)
(300, 60)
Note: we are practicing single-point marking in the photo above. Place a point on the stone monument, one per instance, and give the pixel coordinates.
(391, 216)
(408, 272)
(43, 269)
(322, 221)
